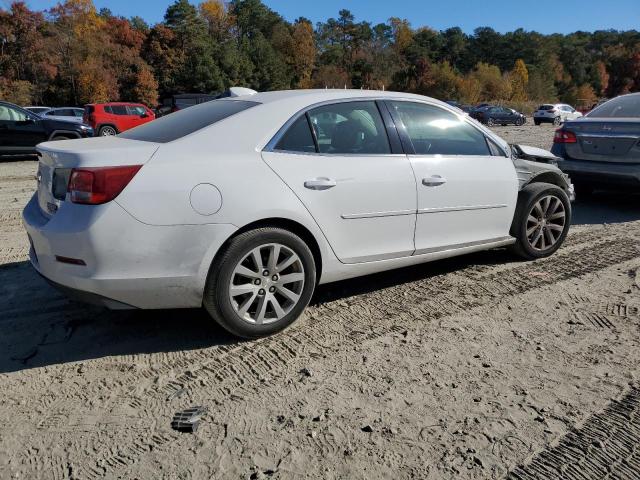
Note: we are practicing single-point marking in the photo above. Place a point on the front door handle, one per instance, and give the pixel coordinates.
(434, 181)
(320, 183)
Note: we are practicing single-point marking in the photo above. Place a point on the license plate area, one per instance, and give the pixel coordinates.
(606, 146)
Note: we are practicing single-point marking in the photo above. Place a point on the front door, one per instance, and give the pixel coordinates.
(343, 170)
(20, 131)
(466, 196)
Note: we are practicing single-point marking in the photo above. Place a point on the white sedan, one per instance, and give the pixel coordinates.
(245, 204)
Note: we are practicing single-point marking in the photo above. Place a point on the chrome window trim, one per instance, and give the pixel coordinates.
(270, 146)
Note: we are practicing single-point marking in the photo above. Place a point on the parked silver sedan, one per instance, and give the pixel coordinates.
(602, 150)
(66, 114)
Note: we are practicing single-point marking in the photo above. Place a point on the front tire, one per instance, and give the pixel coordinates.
(541, 221)
(519, 122)
(261, 283)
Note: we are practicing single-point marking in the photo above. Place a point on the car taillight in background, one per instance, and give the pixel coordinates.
(94, 186)
(564, 136)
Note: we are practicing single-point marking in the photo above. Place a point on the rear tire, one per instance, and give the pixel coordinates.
(261, 283)
(59, 137)
(537, 123)
(519, 122)
(107, 131)
(541, 221)
(557, 121)
(490, 122)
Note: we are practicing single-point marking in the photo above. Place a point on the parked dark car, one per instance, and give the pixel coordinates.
(21, 130)
(175, 103)
(602, 149)
(493, 115)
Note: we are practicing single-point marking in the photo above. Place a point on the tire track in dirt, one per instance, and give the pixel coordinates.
(431, 299)
(605, 446)
(236, 367)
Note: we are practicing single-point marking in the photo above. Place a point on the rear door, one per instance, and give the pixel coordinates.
(121, 117)
(353, 179)
(466, 196)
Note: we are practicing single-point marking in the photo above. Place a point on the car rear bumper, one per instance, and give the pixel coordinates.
(544, 119)
(601, 174)
(128, 264)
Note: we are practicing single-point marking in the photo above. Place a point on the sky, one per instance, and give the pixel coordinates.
(544, 16)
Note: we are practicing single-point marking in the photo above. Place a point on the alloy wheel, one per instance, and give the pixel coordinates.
(107, 132)
(545, 223)
(267, 284)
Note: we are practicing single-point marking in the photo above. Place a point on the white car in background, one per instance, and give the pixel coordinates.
(66, 114)
(245, 204)
(556, 113)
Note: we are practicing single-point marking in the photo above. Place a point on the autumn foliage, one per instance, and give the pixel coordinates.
(75, 54)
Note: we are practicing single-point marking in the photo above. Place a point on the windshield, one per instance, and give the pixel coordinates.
(627, 106)
(182, 123)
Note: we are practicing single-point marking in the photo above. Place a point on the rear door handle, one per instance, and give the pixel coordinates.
(434, 181)
(320, 183)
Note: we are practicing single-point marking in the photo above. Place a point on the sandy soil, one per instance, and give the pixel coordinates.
(476, 367)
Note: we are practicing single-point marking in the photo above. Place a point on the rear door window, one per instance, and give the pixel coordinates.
(435, 131)
(119, 110)
(298, 138)
(350, 128)
(184, 122)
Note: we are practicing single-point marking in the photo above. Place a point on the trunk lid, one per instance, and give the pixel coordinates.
(57, 159)
(605, 140)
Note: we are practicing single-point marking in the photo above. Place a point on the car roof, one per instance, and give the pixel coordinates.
(321, 95)
(115, 103)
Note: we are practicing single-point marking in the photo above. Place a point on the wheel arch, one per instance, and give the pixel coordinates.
(70, 133)
(286, 224)
(106, 124)
(553, 178)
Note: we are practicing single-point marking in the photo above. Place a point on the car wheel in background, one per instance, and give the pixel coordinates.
(60, 137)
(490, 122)
(537, 123)
(557, 121)
(107, 131)
(519, 122)
(541, 221)
(261, 283)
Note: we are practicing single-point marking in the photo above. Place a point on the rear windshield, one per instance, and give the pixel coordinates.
(627, 106)
(546, 107)
(182, 123)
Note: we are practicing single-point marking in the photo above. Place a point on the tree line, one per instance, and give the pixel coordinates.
(73, 54)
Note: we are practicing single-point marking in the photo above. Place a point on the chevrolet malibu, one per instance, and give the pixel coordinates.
(244, 205)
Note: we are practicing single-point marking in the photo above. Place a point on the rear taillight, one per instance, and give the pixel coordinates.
(564, 136)
(93, 186)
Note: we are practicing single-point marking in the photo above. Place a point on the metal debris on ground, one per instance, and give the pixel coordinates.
(188, 420)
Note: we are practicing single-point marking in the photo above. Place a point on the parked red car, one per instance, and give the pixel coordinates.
(116, 117)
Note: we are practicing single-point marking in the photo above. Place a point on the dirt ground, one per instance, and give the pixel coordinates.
(476, 367)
